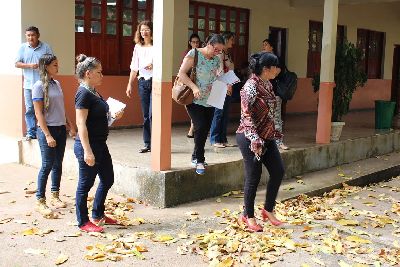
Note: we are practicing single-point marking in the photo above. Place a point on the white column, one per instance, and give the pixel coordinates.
(329, 41)
(327, 72)
(11, 97)
(163, 29)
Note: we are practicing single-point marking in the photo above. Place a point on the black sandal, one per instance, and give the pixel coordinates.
(144, 149)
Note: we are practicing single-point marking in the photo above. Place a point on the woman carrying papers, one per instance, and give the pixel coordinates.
(92, 118)
(142, 63)
(48, 102)
(256, 138)
(208, 69)
(220, 120)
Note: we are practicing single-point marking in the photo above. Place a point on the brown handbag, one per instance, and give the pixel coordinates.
(181, 93)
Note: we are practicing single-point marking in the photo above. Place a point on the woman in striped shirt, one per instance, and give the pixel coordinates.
(256, 138)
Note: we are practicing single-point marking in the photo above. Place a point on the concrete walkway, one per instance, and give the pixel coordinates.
(17, 205)
(299, 133)
(134, 177)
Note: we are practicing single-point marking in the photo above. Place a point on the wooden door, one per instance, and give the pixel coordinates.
(396, 78)
(277, 36)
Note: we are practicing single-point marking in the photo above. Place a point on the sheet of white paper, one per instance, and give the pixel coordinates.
(115, 106)
(218, 94)
(110, 121)
(229, 77)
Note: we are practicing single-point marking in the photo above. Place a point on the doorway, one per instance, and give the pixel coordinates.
(396, 78)
(277, 36)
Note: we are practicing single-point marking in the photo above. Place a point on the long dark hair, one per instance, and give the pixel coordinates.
(44, 61)
(227, 35)
(138, 37)
(260, 60)
(193, 35)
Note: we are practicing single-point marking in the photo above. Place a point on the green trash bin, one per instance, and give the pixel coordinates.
(384, 111)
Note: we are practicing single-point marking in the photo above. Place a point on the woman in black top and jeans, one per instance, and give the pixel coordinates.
(92, 115)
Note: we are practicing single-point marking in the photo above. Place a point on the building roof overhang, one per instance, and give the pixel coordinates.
(308, 3)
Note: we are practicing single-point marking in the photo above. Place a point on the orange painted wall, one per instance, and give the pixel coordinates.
(12, 107)
(304, 101)
(115, 86)
(374, 90)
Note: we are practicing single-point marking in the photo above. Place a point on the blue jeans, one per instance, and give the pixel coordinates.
(220, 123)
(145, 87)
(52, 158)
(103, 167)
(30, 118)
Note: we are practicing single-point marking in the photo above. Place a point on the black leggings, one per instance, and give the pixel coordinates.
(201, 117)
(252, 173)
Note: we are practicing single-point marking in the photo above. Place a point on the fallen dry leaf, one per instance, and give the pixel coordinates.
(227, 194)
(20, 221)
(343, 264)
(345, 222)
(6, 220)
(31, 231)
(318, 261)
(77, 234)
(59, 239)
(141, 248)
(35, 251)
(357, 239)
(183, 235)
(164, 238)
(288, 188)
(30, 191)
(61, 259)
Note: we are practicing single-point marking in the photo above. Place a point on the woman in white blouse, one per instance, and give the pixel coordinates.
(142, 67)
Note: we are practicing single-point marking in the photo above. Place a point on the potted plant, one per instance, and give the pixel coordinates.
(348, 77)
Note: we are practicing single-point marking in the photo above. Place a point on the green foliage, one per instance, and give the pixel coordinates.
(348, 76)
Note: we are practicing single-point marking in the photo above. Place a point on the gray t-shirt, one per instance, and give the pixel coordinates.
(55, 115)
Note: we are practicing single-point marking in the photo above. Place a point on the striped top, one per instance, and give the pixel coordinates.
(257, 112)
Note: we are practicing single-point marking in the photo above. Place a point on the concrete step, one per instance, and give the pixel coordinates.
(182, 185)
(360, 173)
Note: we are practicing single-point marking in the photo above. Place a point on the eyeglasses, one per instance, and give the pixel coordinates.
(195, 42)
(145, 30)
(216, 50)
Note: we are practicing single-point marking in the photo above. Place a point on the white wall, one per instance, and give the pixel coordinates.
(11, 37)
(56, 22)
(55, 19)
(263, 14)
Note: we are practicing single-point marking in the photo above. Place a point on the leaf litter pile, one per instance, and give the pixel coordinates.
(317, 227)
